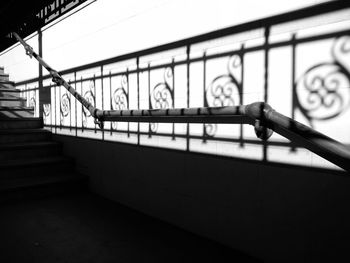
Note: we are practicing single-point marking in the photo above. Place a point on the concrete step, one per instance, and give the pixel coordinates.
(41, 186)
(9, 92)
(43, 166)
(20, 123)
(24, 135)
(9, 101)
(16, 112)
(7, 84)
(4, 76)
(28, 150)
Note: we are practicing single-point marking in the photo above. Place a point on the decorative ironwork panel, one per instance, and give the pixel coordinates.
(65, 107)
(224, 90)
(47, 114)
(120, 100)
(323, 91)
(89, 95)
(303, 72)
(162, 95)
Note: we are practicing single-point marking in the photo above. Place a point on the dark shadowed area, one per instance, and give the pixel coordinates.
(88, 228)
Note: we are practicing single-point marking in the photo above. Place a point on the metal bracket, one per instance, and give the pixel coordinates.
(29, 50)
(56, 78)
(99, 123)
(261, 131)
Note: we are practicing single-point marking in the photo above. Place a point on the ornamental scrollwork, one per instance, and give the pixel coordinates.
(224, 90)
(323, 91)
(46, 112)
(32, 102)
(120, 98)
(64, 107)
(162, 95)
(90, 97)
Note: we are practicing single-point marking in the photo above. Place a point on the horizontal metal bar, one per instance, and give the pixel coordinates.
(243, 50)
(184, 119)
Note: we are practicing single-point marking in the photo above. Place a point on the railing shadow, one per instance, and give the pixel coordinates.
(302, 71)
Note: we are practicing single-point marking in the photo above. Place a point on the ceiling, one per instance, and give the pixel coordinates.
(14, 12)
(21, 16)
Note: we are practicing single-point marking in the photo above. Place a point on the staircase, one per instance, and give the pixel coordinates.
(31, 163)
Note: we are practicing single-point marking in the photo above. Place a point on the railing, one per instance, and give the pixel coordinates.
(259, 114)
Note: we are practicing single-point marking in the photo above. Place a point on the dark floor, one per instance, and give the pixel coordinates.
(87, 228)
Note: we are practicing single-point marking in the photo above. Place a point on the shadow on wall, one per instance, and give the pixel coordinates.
(297, 64)
(277, 213)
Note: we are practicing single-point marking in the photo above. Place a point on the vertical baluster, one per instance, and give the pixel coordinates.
(204, 90)
(138, 95)
(94, 97)
(188, 93)
(70, 108)
(127, 96)
(75, 105)
(55, 99)
(173, 95)
(241, 100)
(110, 97)
(149, 96)
(293, 79)
(102, 102)
(266, 80)
(60, 98)
(82, 109)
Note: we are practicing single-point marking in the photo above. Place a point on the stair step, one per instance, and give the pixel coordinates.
(12, 151)
(20, 123)
(10, 92)
(24, 135)
(31, 164)
(7, 84)
(40, 186)
(16, 112)
(4, 76)
(45, 166)
(9, 101)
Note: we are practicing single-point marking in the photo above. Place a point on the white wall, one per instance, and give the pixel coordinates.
(108, 28)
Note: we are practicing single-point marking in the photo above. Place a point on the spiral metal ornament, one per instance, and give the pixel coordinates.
(90, 97)
(323, 91)
(162, 95)
(120, 98)
(46, 112)
(32, 102)
(224, 90)
(64, 106)
(210, 129)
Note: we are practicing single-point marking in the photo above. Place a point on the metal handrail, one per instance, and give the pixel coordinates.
(260, 114)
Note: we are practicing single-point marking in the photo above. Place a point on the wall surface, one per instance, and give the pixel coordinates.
(108, 28)
(277, 213)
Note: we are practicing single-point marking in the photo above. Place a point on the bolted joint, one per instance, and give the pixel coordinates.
(99, 123)
(29, 50)
(261, 131)
(58, 81)
(56, 78)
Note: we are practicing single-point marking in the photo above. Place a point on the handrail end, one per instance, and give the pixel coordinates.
(259, 111)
